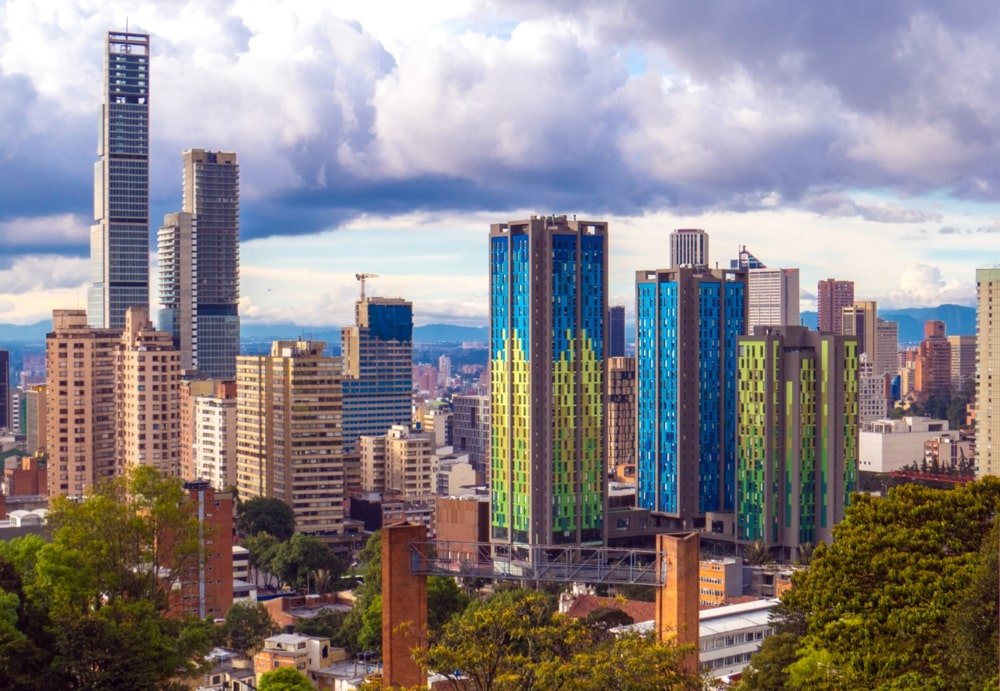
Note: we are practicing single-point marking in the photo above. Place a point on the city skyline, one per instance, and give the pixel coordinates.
(669, 138)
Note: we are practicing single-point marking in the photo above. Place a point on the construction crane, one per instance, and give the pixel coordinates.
(362, 278)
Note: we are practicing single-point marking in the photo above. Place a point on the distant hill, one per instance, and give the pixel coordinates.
(449, 333)
(25, 333)
(959, 320)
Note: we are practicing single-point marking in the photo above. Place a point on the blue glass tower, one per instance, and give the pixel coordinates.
(378, 368)
(689, 323)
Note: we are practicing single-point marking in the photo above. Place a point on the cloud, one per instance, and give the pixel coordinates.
(842, 206)
(991, 229)
(57, 232)
(924, 285)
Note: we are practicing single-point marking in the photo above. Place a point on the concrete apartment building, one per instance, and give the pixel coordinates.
(832, 296)
(798, 436)
(548, 303)
(35, 414)
(119, 237)
(888, 445)
(873, 395)
(689, 324)
(689, 247)
(289, 433)
(963, 359)
(886, 360)
(987, 364)
(772, 298)
(401, 463)
(208, 432)
(147, 394)
(621, 419)
(470, 430)
(80, 403)
(859, 320)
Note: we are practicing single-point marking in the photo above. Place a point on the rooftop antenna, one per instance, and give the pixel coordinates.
(362, 278)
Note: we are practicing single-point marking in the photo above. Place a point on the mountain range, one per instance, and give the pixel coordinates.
(959, 320)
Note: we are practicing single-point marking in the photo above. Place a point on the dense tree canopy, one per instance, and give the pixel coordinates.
(86, 610)
(262, 515)
(284, 679)
(247, 626)
(907, 578)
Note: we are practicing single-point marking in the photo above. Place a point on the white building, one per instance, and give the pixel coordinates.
(689, 247)
(873, 401)
(888, 445)
(214, 453)
(773, 298)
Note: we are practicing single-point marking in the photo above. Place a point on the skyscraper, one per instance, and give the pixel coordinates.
(616, 331)
(198, 252)
(886, 360)
(772, 297)
(963, 359)
(798, 436)
(832, 296)
(987, 364)
(689, 323)
(119, 238)
(933, 366)
(689, 247)
(377, 357)
(548, 301)
(859, 319)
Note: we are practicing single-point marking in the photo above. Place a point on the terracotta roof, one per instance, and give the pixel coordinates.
(638, 610)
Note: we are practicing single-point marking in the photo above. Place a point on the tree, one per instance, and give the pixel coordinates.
(603, 619)
(874, 606)
(262, 548)
(328, 624)
(246, 627)
(768, 668)
(444, 600)
(305, 560)
(368, 597)
(284, 679)
(263, 515)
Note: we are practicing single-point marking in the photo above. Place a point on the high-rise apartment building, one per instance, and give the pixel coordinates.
(35, 422)
(289, 433)
(5, 397)
(208, 432)
(859, 320)
(987, 364)
(616, 331)
(873, 395)
(963, 359)
(832, 296)
(689, 323)
(80, 403)
(772, 298)
(689, 247)
(147, 396)
(621, 418)
(548, 303)
(400, 463)
(444, 370)
(119, 237)
(470, 430)
(198, 252)
(933, 365)
(886, 359)
(377, 357)
(798, 436)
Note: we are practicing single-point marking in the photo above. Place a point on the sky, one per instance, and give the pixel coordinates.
(854, 140)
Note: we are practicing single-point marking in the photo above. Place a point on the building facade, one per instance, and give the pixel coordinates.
(963, 359)
(548, 303)
(289, 438)
(119, 237)
(199, 266)
(80, 403)
(873, 394)
(6, 407)
(471, 429)
(616, 331)
(832, 296)
(213, 438)
(933, 364)
(987, 363)
(773, 298)
(35, 418)
(859, 320)
(621, 419)
(689, 323)
(377, 357)
(798, 436)
(689, 247)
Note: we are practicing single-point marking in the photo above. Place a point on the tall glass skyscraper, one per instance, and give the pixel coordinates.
(119, 238)
(199, 266)
(548, 301)
(689, 323)
(377, 357)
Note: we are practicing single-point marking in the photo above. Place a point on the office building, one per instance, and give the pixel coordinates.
(621, 419)
(198, 250)
(119, 237)
(773, 298)
(470, 429)
(689, 247)
(746, 260)
(80, 403)
(832, 296)
(933, 364)
(289, 444)
(798, 436)
(987, 364)
(548, 303)
(689, 323)
(886, 359)
(377, 357)
(35, 418)
(859, 320)
(6, 417)
(963, 359)
(147, 396)
(616, 331)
